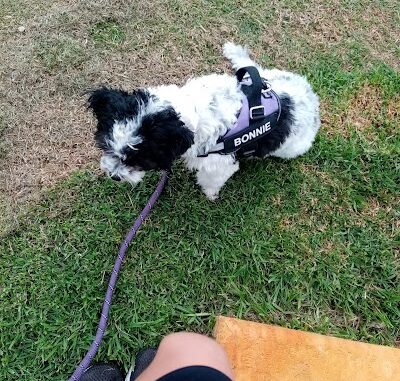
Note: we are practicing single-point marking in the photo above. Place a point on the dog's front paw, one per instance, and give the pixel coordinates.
(135, 177)
(211, 194)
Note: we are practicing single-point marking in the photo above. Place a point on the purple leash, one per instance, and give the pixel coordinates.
(85, 363)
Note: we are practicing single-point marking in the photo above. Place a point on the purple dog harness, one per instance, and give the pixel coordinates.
(258, 116)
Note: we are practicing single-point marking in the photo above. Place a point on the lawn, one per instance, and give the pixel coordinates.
(310, 244)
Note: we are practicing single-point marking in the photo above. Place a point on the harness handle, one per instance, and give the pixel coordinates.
(252, 92)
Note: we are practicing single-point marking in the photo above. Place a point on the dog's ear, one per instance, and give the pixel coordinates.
(108, 104)
(165, 137)
(180, 137)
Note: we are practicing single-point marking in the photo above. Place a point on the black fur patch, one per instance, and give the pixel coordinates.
(165, 138)
(278, 135)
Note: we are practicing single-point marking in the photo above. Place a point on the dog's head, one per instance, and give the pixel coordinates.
(137, 132)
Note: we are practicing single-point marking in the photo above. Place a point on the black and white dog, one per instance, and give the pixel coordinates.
(150, 128)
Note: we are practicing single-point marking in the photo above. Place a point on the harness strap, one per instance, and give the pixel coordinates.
(258, 116)
(252, 92)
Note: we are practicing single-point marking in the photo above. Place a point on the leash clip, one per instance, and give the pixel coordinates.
(266, 86)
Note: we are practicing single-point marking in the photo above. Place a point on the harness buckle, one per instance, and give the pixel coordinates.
(256, 112)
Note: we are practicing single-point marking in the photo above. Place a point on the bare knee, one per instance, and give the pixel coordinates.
(193, 345)
(180, 350)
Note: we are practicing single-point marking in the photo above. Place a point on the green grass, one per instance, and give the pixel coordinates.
(292, 243)
(310, 244)
(108, 33)
(61, 54)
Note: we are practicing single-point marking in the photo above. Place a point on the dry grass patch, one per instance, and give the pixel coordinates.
(374, 210)
(393, 109)
(313, 171)
(335, 27)
(363, 113)
(382, 32)
(54, 139)
(61, 52)
(364, 110)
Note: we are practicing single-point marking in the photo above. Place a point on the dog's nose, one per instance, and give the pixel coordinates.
(116, 178)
